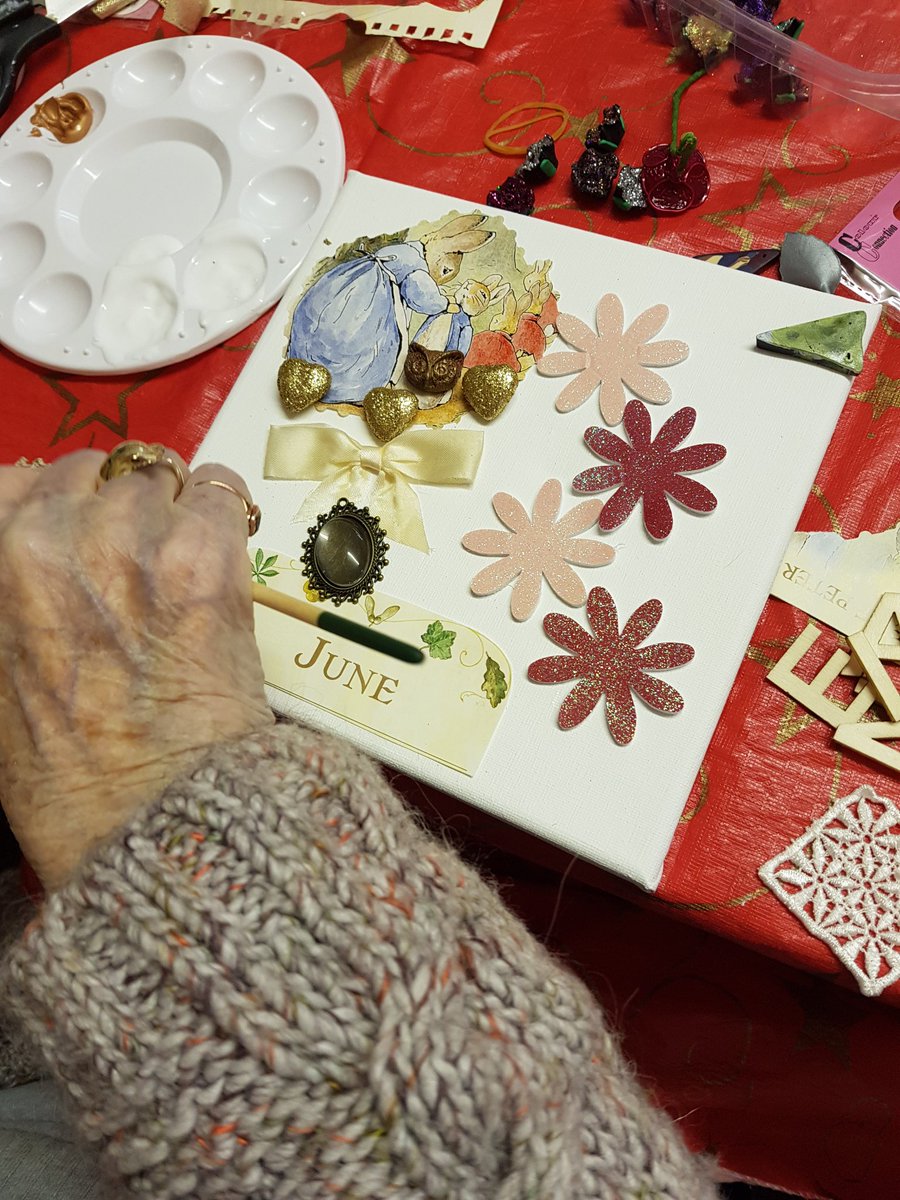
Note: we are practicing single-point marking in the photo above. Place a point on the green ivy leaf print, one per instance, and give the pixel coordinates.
(262, 567)
(494, 684)
(439, 640)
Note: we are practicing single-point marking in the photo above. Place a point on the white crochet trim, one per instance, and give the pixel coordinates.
(841, 878)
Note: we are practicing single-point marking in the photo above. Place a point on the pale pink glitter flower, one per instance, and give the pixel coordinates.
(613, 359)
(538, 546)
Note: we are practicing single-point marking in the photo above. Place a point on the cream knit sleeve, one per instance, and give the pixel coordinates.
(275, 985)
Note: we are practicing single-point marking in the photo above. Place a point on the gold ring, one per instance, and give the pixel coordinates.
(32, 464)
(254, 516)
(137, 456)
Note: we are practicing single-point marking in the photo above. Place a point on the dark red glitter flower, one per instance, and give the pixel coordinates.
(649, 470)
(611, 664)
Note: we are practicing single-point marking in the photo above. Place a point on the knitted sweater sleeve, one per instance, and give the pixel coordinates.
(274, 984)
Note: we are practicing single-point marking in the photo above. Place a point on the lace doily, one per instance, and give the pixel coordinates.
(841, 878)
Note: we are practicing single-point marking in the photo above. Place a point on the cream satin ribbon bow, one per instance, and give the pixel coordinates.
(375, 477)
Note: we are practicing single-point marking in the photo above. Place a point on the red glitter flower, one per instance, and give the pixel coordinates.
(611, 664)
(649, 470)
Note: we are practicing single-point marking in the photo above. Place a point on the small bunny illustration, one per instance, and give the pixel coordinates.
(354, 319)
(453, 330)
(525, 319)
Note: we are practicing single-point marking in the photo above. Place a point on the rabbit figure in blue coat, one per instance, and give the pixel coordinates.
(354, 320)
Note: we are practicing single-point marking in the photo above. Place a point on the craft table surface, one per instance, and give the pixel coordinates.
(781, 1075)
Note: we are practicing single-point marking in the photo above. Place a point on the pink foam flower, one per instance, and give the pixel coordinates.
(537, 546)
(613, 358)
(611, 664)
(649, 470)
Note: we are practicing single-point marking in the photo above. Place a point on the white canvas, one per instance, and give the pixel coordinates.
(615, 806)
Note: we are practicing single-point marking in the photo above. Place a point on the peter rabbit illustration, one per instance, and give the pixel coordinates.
(453, 330)
(354, 320)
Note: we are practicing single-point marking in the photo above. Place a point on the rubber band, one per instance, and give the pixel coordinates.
(543, 110)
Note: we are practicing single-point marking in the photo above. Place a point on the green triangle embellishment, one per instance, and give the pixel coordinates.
(834, 342)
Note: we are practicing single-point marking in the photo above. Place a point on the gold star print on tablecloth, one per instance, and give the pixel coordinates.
(359, 50)
(884, 394)
(769, 188)
(580, 127)
(791, 722)
(111, 411)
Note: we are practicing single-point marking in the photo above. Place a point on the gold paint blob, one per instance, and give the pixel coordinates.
(68, 117)
(488, 390)
(302, 383)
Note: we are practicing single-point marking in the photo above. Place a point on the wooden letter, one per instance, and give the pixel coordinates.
(868, 739)
(878, 677)
(887, 613)
(812, 695)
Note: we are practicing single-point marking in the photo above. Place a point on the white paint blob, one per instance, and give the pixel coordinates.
(227, 270)
(139, 304)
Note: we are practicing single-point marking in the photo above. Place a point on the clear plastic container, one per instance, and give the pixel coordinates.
(846, 53)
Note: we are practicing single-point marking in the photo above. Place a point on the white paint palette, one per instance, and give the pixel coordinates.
(180, 217)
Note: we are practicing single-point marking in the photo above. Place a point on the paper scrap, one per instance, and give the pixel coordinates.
(422, 22)
(839, 580)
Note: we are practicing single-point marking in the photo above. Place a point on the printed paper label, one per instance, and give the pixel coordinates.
(839, 580)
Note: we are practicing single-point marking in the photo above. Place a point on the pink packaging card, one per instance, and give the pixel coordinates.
(872, 238)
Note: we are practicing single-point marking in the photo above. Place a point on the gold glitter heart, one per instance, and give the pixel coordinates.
(488, 390)
(302, 383)
(389, 411)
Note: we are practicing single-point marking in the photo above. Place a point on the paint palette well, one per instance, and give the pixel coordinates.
(208, 169)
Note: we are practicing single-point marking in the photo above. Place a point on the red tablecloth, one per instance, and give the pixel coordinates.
(782, 1077)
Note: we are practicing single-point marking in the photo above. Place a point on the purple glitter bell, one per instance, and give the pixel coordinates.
(514, 194)
(760, 9)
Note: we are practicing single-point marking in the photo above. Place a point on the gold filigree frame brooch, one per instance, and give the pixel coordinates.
(345, 554)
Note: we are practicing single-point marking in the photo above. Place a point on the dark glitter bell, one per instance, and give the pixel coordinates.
(778, 87)
(787, 88)
(749, 75)
(540, 161)
(629, 195)
(609, 133)
(513, 195)
(594, 173)
(793, 27)
(760, 9)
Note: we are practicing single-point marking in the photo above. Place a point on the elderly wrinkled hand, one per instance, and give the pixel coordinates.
(126, 643)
